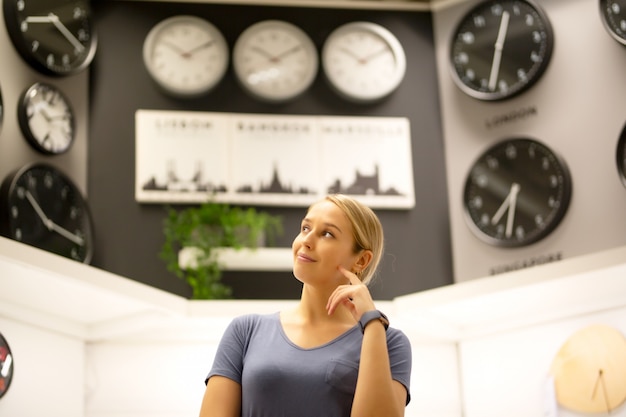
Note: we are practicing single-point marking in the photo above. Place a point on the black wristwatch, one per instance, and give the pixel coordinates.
(373, 315)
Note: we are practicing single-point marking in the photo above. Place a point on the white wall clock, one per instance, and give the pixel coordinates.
(363, 61)
(275, 61)
(185, 55)
(46, 118)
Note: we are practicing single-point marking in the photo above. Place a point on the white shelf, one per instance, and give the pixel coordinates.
(260, 259)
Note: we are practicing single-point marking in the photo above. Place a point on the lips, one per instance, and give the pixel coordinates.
(305, 258)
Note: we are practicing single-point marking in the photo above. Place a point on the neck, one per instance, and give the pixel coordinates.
(312, 306)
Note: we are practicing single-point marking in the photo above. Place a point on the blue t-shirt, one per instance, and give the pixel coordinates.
(280, 379)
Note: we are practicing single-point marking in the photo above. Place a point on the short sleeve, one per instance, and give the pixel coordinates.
(232, 348)
(400, 358)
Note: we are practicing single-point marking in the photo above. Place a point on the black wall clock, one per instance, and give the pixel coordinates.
(613, 14)
(501, 48)
(6, 366)
(56, 37)
(42, 207)
(516, 193)
(621, 156)
(46, 118)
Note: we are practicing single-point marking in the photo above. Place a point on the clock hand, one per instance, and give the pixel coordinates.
(600, 381)
(54, 19)
(373, 55)
(50, 225)
(33, 202)
(285, 53)
(263, 52)
(192, 51)
(65, 233)
(175, 48)
(497, 55)
(350, 53)
(506, 204)
(511, 215)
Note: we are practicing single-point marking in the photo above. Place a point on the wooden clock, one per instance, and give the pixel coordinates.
(589, 370)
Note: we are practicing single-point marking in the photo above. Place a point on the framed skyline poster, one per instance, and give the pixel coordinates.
(278, 160)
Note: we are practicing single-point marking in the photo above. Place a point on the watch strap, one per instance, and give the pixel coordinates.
(369, 316)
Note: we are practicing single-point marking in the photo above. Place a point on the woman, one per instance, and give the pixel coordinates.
(330, 356)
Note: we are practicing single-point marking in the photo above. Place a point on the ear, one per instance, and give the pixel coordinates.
(363, 260)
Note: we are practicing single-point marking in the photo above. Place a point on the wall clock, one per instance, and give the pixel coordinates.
(42, 207)
(1, 110)
(56, 37)
(589, 370)
(6, 366)
(363, 61)
(516, 193)
(46, 119)
(275, 60)
(613, 15)
(621, 156)
(501, 48)
(185, 55)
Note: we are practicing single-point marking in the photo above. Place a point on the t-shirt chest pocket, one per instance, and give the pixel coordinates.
(342, 375)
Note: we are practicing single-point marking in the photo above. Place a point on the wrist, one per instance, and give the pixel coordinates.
(373, 315)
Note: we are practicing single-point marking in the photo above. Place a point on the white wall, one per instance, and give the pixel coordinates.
(48, 374)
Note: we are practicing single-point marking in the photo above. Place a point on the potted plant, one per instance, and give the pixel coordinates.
(201, 230)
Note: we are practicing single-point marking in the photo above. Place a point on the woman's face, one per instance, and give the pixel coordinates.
(325, 241)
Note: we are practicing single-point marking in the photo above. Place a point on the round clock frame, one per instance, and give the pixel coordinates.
(55, 37)
(275, 61)
(620, 156)
(186, 56)
(42, 207)
(516, 193)
(501, 48)
(613, 15)
(363, 61)
(46, 118)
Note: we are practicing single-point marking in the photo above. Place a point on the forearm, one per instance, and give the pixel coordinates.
(376, 393)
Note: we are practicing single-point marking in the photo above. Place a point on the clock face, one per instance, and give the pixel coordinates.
(275, 61)
(185, 55)
(516, 193)
(589, 370)
(6, 366)
(46, 119)
(40, 206)
(56, 37)
(621, 156)
(363, 61)
(613, 14)
(500, 49)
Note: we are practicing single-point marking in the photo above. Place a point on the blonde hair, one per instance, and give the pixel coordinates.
(366, 229)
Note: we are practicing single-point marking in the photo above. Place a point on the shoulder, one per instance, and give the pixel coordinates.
(396, 338)
(249, 322)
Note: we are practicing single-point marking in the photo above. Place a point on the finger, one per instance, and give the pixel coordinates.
(354, 280)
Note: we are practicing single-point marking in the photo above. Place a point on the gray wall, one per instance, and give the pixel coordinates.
(128, 234)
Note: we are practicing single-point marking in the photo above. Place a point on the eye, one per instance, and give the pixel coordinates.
(327, 233)
(304, 228)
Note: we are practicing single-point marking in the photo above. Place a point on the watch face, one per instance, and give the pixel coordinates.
(500, 49)
(42, 207)
(46, 119)
(275, 61)
(56, 37)
(363, 61)
(185, 55)
(516, 193)
(6, 366)
(621, 156)
(613, 14)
